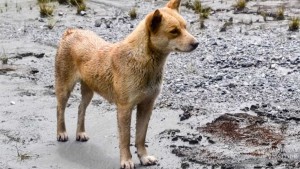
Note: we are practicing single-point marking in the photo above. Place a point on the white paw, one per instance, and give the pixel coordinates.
(62, 137)
(127, 164)
(82, 136)
(148, 160)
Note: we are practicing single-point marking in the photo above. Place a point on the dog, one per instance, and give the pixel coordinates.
(127, 73)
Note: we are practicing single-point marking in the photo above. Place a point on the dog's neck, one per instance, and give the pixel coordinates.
(140, 38)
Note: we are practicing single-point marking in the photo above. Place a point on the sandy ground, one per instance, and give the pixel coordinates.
(250, 69)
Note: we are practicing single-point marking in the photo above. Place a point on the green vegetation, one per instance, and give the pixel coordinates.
(264, 15)
(240, 4)
(81, 7)
(132, 13)
(197, 6)
(294, 24)
(51, 23)
(80, 4)
(63, 1)
(280, 13)
(77, 2)
(204, 13)
(46, 9)
(4, 58)
(45, 1)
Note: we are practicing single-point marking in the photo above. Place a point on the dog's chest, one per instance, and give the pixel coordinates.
(148, 85)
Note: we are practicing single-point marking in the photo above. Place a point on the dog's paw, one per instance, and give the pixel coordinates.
(82, 136)
(148, 160)
(127, 164)
(62, 137)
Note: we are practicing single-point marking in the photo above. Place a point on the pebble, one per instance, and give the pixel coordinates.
(82, 13)
(185, 165)
(193, 142)
(98, 22)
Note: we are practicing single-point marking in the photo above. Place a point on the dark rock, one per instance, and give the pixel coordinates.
(297, 119)
(246, 64)
(39, 55)
(211, 141)
(185, 139)
(254, 107)
(269, 164)
(245, 109)
(227, 167)
(199, 138)
(177, 152)
(34, 70)
(175, 138)
(219, 78)
(98, 22)
(193, 142)
(186, 112)
(185, 165)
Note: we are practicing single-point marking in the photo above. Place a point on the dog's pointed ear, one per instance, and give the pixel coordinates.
(174, 4)
(153, 21)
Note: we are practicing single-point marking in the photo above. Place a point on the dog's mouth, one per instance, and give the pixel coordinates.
(178, 50)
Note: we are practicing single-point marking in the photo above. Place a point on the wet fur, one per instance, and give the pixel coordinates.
(128, 73)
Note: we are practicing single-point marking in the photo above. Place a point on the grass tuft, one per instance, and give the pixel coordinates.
(80, 4)
(81, 7)
(264, 15)
(294, 24)
(51, 23)
(197, 6)
(21, 155)
(132, 13)
(46, 1)
(240, 4)
(77, 2)
(204, 14)
(280, 13)
(65, 2)
(4, 58)
(46, 9)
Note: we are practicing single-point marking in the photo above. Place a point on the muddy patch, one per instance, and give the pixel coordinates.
(244, 128)
(237, 140)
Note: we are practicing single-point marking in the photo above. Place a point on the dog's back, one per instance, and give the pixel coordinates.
(79, 53)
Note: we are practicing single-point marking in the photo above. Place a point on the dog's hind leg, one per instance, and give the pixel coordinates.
(63, 90)
(87, 95)
(144, 111)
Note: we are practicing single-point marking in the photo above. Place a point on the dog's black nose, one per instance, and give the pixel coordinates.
(195, 45)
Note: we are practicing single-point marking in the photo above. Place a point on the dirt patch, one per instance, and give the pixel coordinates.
(244, 128)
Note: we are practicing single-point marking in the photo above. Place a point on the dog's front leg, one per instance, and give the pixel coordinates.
(144, 111)
(124, 121)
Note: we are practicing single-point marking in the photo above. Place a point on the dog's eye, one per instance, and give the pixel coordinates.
(174, 31)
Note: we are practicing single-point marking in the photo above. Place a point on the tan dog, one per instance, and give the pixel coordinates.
(128, 73)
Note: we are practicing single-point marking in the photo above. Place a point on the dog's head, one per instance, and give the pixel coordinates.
(168, 29)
